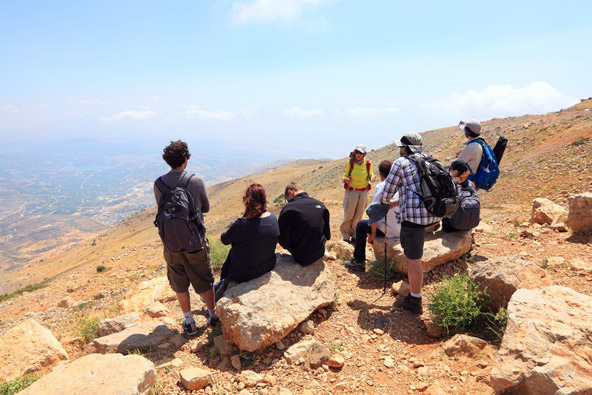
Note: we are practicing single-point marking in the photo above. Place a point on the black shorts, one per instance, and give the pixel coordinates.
(412, 239)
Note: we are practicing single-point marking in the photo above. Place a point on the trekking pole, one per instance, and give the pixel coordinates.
(385, 233)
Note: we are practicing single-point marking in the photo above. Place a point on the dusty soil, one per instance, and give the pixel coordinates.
(347, 328)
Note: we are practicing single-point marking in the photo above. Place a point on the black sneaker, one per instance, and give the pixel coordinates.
(355, 266)
(190, 329)
(213, 322)
(410, 303)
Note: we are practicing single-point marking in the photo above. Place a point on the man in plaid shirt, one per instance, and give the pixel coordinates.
(405, 178)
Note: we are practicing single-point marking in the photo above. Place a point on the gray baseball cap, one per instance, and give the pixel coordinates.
(377, 211)
(473, 125)
(412, 140)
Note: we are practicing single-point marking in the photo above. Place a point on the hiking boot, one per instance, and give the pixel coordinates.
(410, 303)
(213, 322)
(355, 265)
(190, 329)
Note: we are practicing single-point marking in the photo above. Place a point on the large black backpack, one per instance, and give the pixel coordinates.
(438, 190)
(467, 215)
(178, 220)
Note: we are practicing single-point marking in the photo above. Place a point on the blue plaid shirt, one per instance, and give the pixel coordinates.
(405, 178)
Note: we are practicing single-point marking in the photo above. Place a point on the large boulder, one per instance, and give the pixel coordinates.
(145, 294)
(439, 248)
(258, 313)
(580, 213)
(545, 211)
(141, 336)
(28, 348)
(546, 347)
(504, 275)
(111, 374)
(108, 326)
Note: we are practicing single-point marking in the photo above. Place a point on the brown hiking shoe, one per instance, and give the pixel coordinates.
(410, 303)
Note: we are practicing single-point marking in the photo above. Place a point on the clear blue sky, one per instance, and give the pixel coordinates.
(294, 78)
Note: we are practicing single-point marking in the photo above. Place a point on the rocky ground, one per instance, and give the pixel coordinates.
(400, 358)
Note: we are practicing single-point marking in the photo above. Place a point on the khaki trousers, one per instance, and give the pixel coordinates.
(354, 205)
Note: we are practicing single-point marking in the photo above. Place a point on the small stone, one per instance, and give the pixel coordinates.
(280, 345)
(388, 362)
(197, 347)
(235, 362)
(379, 332)
(336, 361)
(307, 327)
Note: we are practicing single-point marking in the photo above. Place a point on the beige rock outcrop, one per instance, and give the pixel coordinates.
(580, 213)
(545, 211)
(464, 345)
(504, 275)
(341, 249)
(145, 294)
(546, 347)
(28, 348)
(141, 336)
(258, 313)
(195, 378)
(108, 326)
(98, 374)
(439, 248)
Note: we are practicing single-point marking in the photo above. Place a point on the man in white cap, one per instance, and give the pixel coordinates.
(405, 179)
(472, 153)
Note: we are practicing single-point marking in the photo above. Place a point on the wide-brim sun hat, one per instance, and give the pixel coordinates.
(360, 148)
(411, 140)
(376, 211)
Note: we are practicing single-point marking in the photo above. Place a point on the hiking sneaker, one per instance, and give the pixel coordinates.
(190, 329)
(213, 322)
(355, 265)
(410, 303)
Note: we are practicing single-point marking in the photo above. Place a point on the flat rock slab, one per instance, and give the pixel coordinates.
(110, 374)
(27, 348)
(139, 337)
(546, 347)
(258, 313)
(439, 248)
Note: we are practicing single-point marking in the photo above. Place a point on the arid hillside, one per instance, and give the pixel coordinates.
(547, 156)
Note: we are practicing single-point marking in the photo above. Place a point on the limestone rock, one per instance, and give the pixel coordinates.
(156, 310)
(224, 348)
(66, 302)
(94, 374)
(580, 213)
(311, 350)
(545, 211)
(195, 378)
(236, 362)
(144, 294)
(439, 248)
(546, 347)
(581, 265)
(504, 275)
(464, 345)
(27, 348)
(250, 378)
(401, 288)
(342, 249)
(141, 336)
(307, 327)
(258, 313)
(336, 361)
(108, 326)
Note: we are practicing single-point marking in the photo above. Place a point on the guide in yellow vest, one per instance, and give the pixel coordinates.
(356, 180)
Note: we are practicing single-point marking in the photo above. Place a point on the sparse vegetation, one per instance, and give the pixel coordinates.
(86, 328)
(247, 358)
(545, 263)
(582, 141)
(102, 268)
(146, 353)
(334, 346)
(218, 253)
(510, 236)
(158, 387)
(17, 385)
(28, 288)
(377, 269)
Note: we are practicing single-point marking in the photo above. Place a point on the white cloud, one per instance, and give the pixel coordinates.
(369, 111)
(217, 115)
(87, 101)
(502, 100)
(296, 112)
(152, 99)
(11, 108)
(141, 115)
(270, 10)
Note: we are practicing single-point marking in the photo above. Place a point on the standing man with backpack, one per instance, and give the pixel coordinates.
(405, 178)
(356, 182)
(181, 199)
(479, 156)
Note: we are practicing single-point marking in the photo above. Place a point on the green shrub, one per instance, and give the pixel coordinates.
(458, 303)
(17, 385)
(218, 253)
(28, 288)
(86, 328)
(101, 268)
(246, 358)
(376, 270)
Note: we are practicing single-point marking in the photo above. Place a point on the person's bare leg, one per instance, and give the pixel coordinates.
(209, 298)
(184, 301)
(415, 274)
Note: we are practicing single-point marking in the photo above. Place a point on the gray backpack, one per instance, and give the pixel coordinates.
(178, 220)
(467, 215)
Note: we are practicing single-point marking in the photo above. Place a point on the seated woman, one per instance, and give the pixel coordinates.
(253, 238)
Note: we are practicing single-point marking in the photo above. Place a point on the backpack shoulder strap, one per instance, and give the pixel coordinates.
(162, 187)
(184, 181)
(479, 141)
(351, 166)
(368, 163)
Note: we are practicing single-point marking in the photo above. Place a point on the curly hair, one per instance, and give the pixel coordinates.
(175, 153)
(255, 201)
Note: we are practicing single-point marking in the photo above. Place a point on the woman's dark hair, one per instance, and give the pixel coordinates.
(384, 168)
(255, 201)
(175, 153)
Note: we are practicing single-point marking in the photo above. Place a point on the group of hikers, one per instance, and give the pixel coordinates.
(398, 210)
